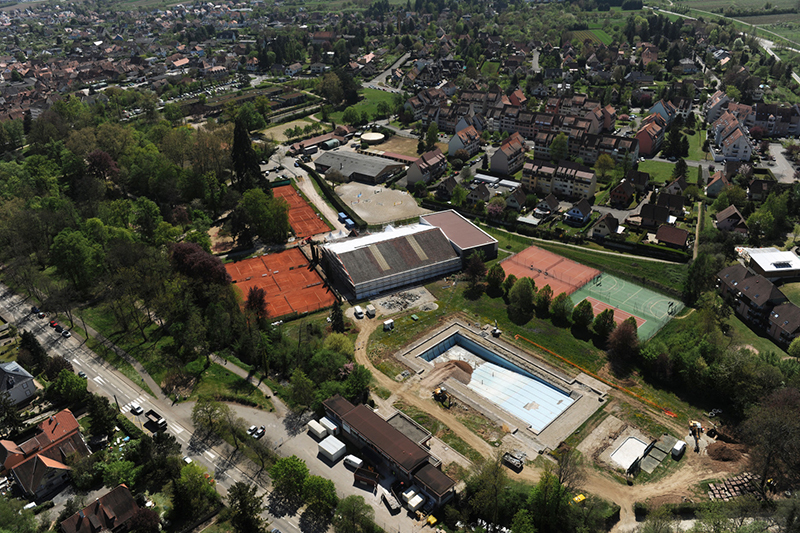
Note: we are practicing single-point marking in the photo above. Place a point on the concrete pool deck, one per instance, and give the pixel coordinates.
(585, 393)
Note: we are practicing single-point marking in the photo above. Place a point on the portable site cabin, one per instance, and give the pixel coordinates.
(317, 430)
(370, 311)
(678, 449)
(388, 325)
(329, 426)
(332, 448)
(416, 502)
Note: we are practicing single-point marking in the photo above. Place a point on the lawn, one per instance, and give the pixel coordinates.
(744, 336)
(660, 172)
(792, 291)
(369, 103)
(440, 431)
(222, 384)
(696, 152)
(490, 68)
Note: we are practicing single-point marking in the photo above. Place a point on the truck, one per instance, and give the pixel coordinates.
(515, 460)
(157, 419)
(370, 311)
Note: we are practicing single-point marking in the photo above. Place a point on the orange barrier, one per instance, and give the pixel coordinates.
(595, 376)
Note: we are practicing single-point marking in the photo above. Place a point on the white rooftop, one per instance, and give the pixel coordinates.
(387, 234)
(773, 260)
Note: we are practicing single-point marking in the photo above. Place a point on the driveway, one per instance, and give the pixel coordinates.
(782, 169)
(379, 81)
(622, 214)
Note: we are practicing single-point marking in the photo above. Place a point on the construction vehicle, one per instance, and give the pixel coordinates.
(695, 430)
(441, 396)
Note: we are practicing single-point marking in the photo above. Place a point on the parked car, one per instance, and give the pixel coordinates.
(259, 432)
(136, 408)
(66, 334)
(82, 374)
(251, 430)
(59, 329)
(53, 323)
(187, 460)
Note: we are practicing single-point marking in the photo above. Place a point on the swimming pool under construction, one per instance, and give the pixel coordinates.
(509, 386)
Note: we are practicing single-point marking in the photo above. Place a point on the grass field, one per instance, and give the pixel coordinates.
(368, 103)
(660, 172)
(585, 35)
(490, 68)
(712, 5)
(696, 146)
(276, 132)
(792, 291)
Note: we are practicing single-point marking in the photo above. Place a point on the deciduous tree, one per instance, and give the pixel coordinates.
(320, 497)
(495, 277)
(543, 299)
(561, 307)
(490, 484)
(583, 314)
(288, 477)
(623, 342)
(337, 318)
(354, 515)
(246, 508)
(604, 324)
(520, 297)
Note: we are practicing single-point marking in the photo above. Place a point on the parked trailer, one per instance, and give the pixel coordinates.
(516, 459)
(366, 476)
(157, 419)
(390, 500)
(329, 425)
(370, 311)
(317, 430)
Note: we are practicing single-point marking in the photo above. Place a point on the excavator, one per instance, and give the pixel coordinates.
(696, 429)
(441, 396)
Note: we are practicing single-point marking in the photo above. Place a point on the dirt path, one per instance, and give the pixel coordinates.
(672, 488)
(404, 392)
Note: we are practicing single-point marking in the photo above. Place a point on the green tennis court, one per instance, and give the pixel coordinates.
(649, 306)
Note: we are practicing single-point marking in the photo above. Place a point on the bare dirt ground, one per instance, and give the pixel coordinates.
(377, 204)
(220, 243)
(404, 146)
(671, 489)
(276, 132)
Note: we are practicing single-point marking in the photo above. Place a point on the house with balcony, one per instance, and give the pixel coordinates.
(467, 139)
(730, 219)
(622, 194)
(605, 226)
(784, 323)
(752, 296)
(510, 156)
(427, 167)
(579, 214)
(564, 180)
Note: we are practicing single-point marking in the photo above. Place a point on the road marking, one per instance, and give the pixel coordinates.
(75, 361)
(210, 455)
(98, 380)
(176, 429)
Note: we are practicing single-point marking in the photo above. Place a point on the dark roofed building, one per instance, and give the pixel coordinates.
(672, 236)
(673, 202)
(379, 262)
(358, 167)
(784, 323)
(110, 512)
(752, 296)
(366, 429)
(654, 215)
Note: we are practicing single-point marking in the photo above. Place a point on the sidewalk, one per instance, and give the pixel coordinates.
(280, 407)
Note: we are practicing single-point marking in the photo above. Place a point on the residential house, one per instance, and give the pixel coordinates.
(38, 465)
(736, 147)
(665, 109)
(687, 66)
(16, 382)
(605, 226)
(716, 184)
(480, 193)
(730, 219)
(715, 106)
(653, 215)
(784, 323)
(111, 512)
(516, 199)
(752, 296)
(622, 194)
(319, 68)
(759, 189)
(546, 207)
(651, 136)
(509, 157)
(445, 188)
(677, 186)
(427, 167)
(293, 69)
(673, 202)
(640, 180)
(672, 236)
(566, 179)
(579, 214)
(467, 139)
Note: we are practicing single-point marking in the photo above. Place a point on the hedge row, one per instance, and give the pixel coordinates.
(333, 198)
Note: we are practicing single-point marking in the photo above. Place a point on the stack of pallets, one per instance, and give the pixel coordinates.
(732, 488)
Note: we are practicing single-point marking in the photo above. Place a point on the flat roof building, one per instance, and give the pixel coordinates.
(465, 236)
(772, 263)
(358, 167)
(376, 263)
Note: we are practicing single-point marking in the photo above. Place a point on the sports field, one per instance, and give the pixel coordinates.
(547, 268)
(289, 284)
(302, 218)
(650, 309)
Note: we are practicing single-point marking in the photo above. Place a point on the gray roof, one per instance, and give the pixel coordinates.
(15, 372)
(393, 256)
(349, 162)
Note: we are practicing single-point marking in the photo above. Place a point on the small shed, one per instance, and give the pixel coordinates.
(317, 430)
(678, 449)
(330, 427)
(332, 448)
(388, 324)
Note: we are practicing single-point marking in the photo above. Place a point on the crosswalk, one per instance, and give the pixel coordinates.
(141, 400)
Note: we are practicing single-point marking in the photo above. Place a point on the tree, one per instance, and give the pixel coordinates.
(256, 302)
(246, 168)
(794, 348)
(354, 515)
(489, 482)
(761, 225)
(103, 416)
(772, 428)
(701, 276)
(559, 147)
(679, 169)
(337, 318)
(263, 215)
(302, 389)
(475, 269)
(459, 196)
(288, 477)
(604, 324)
(192, 494)
(207, 413)
(351, 116)
(10, 420)
(432, 136)
(523, 522)
(14, 518)
(320, 497)
(246, 508)
(583, 314)
(76, 258)
(496, 206)
(623, 342)
(543, 299)
(604, 164)
(569, 467)
(509, 283)
(495, 277)
(145, 521)
(67, 388)
(561, 308)
(520, 297)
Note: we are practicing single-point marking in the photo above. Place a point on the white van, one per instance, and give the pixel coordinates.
(353, 462)
(359, 313)
(136, 408)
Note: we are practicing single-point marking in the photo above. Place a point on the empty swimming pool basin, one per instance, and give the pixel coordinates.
(518, 392)
(628, 452)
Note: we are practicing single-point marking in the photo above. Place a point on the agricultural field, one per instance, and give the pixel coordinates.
(712, 5)
(595, 36)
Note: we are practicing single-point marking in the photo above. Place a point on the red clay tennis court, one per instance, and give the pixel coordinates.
(302, 217)
(620, 316)
(290, 286)
(547, 268)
